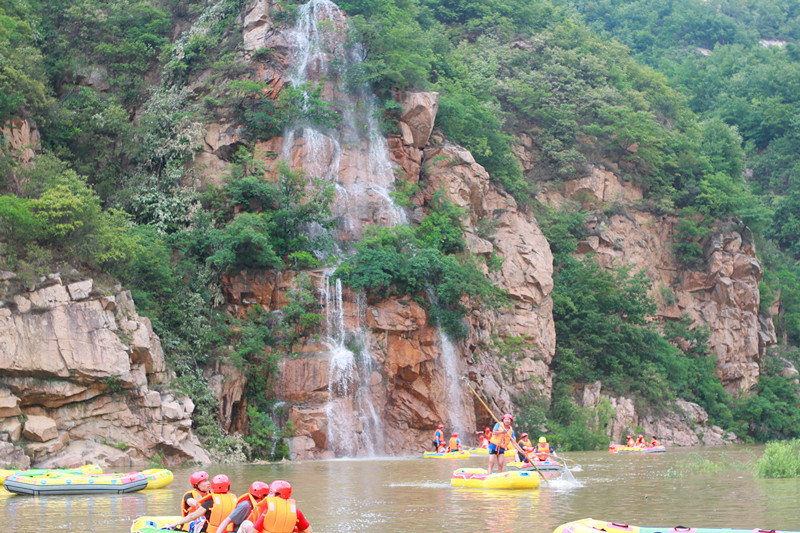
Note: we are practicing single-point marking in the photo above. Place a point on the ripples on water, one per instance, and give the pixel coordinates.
(410, 494)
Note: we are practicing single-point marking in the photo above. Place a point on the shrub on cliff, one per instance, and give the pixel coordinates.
(401, 261)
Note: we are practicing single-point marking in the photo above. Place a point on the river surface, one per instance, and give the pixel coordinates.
(710, 487)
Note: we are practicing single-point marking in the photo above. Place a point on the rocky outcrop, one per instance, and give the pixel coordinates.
(722, 294)
(496, 229)
(78, 364)
(686, 424)
(20, 140)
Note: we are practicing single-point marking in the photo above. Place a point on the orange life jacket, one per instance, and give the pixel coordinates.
(526, 444)
(654, 442)
(438, 437)
(253, 516)
(197, 497)
(542, 451)
(640, 442)
(224, 504)
(280, 516)
(629, 444)
(455, 445)
(503, 440)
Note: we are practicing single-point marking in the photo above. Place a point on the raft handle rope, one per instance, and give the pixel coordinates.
(516, 446)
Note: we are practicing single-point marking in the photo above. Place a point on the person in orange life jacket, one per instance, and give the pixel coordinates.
(524, 443)
(502, 438)
(629, 443)
(455, 443)
(543, 449)
(280, 513)
(211, 509)
(654, 442)
(640, 442)
(201, 485)
(438, 438)
(245, 511)
(487, 434)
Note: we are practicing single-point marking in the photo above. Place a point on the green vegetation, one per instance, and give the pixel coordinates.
(696, 463)
(710, 137)
(426, 261)
(780, 460)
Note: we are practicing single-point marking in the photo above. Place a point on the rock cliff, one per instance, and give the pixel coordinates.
(82, 380)
(405, 380)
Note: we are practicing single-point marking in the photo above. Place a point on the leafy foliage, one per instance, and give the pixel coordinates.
(401, 261)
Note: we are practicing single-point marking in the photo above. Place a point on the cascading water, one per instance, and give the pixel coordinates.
(354, 156)
(457, 417)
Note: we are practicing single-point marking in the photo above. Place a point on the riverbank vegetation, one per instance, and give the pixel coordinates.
(781, 459)
(708, 136)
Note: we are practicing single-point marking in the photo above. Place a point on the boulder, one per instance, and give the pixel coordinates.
(80, 290)
(40, 429)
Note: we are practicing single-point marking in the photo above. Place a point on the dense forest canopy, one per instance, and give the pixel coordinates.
(711, 110)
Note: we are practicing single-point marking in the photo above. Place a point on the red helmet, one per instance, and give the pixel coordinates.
(440, 426)
(524, 435)
(508, 415)
(641, 436)
(198, 477)
(220, 484)
(259, 489)
(281, 488)
(455, 434)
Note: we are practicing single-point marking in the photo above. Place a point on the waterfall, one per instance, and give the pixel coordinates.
(457, 417)
(355, 157)
(354, 426)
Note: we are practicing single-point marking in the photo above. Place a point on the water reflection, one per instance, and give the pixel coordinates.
(411, 494)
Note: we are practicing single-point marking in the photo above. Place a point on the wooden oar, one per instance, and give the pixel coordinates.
(517, 446)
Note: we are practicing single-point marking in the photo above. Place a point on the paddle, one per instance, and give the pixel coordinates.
(517, 446)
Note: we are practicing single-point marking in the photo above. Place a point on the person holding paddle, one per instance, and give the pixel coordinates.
(502, 439)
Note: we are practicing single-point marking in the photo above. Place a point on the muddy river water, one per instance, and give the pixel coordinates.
(710, 487)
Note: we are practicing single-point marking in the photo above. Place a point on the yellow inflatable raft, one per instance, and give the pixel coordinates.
(446, 455)
(76, 484)
(34, 472)
(485, 451)
(154, 522)
(618, 448)
(157, 478)
(477, 478)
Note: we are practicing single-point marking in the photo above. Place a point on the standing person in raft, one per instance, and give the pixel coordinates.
(455, 443)
(502, 439)
(438, 438)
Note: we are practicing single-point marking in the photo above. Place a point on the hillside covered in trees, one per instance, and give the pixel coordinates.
(695, 103)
